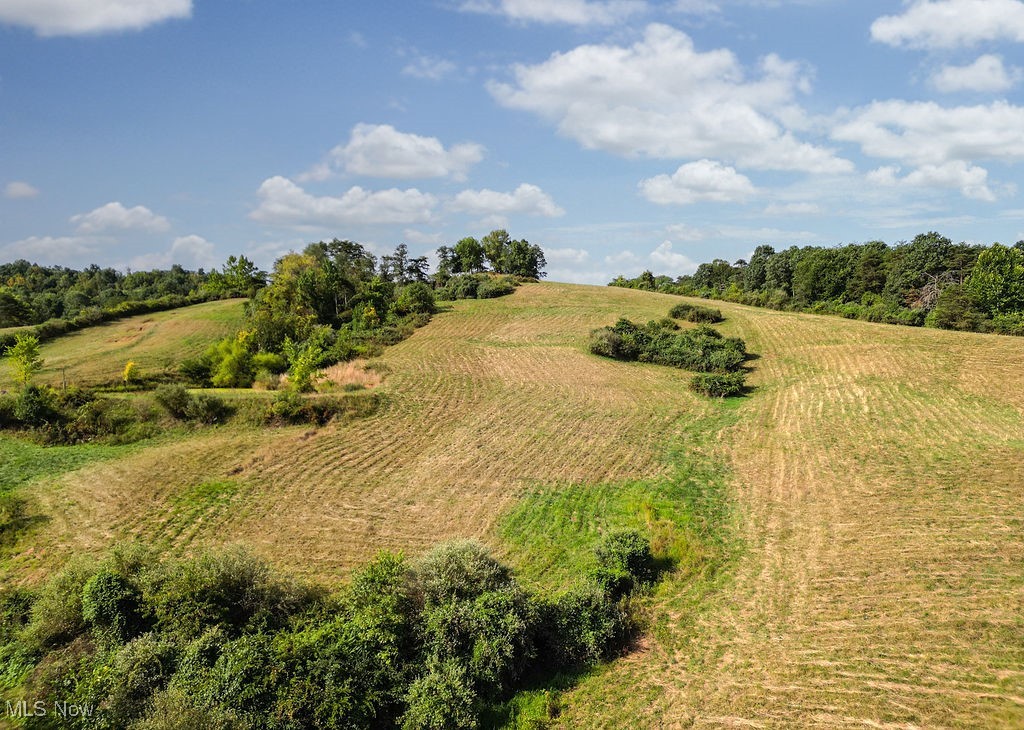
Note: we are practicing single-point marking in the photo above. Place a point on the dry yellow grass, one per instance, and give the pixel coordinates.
(490, 398)
(877, 482)
(879, 474)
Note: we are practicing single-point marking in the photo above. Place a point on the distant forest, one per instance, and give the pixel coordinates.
(927, 281)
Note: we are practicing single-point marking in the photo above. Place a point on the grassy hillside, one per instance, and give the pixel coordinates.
(865, 502)
(155, 342)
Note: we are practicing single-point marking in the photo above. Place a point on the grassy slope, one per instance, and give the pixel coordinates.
(155, 342)
(875, 482)
(490, 400)
(880, 475)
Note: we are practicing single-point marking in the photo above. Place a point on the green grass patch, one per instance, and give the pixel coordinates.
(549, 535)
(22, 462)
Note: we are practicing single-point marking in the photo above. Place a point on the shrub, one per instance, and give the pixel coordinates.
(607, 343)
(175, 399)
(704, 314)
(491, 635)
(270, 361)
(208, 409)
(415, 298)
(112, 606)
(138, 669)
(442, 699)
(25, 359)
(457, 570)
(231, 590)
(197, 371)
(57, 612)
(718, 385)
(580, 627)
(624, 559)
(494, 287)
(679, 311)
(35, 406)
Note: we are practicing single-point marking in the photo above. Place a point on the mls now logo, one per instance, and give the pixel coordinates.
(39, 709)
(23, 709)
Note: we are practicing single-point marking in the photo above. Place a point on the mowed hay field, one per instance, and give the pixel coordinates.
(491, 400)
(155, 342)
(874, 482)
(878, 473)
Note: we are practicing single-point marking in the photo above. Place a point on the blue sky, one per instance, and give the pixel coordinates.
(619, 135)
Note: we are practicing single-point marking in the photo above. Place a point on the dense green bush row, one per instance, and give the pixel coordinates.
(702, 349)
(76, 415)
(694, 313)
(477, 286)
(927, 281)
(220, 641)
(717, 360)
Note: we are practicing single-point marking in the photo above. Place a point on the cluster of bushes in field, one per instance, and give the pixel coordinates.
(928, 281)
(718, 360)
(695, 313)
(477, 286)
(76, 415)
(221, 641)
(73, 415)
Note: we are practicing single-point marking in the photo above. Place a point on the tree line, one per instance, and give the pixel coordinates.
(926, 281)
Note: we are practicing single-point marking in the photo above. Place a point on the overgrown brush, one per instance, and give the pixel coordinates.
(718, 360)
(224, 640)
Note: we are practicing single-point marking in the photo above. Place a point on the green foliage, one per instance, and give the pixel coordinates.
(956, 309)
(624, 560)
(929, 280)
(997, 280)
(491, 288)
(229, 590)
(457, 570)
(175, 399)
(112, 606)
(415, 298)
(442, 699)
(231, 363)
(220, 641)
(304, 360)
(694, 313)
(718, 385)
(24, 358)
(701, 349)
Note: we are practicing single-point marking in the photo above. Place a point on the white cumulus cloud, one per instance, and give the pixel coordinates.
(114, 216)
(931, 24)
(662, 98)
(569, 12)
(970, 180)
(926, 133)
(85, 17)
(380, 150)
(190, 251)
(19, 190)
(695, 182)
(672, 262)
(52, 249)
(284, 203)
(987, 73)
(526, 200)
